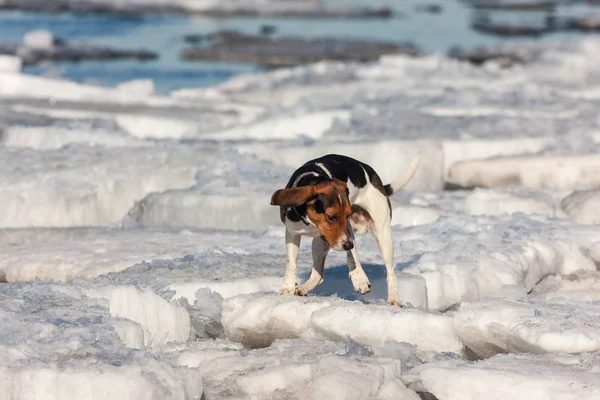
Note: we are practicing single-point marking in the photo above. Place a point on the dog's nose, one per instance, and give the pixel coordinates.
(348, 246)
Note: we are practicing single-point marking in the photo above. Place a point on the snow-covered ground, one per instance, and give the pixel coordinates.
(142, 257)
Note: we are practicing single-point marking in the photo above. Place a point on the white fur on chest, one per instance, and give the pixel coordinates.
(300, 228)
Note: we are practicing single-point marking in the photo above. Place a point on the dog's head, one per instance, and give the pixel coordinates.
(327, 206)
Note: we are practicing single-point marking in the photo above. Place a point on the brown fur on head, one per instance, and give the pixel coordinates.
(327, 206)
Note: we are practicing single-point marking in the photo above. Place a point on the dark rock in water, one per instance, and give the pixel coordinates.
(429, 8)
(510, 30)
(514, 23)
(267, 30)
(273, 8)
(236, 47)
(312, 10)
(514, 4)
(85, 7)
(504, 57)
(67, 51)
(586, 24)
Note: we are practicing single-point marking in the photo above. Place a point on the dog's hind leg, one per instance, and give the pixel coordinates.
(292, 244)
(320, 248)
(383, 236)
(381, 229)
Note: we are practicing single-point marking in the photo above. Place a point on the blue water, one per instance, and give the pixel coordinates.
(164, 34)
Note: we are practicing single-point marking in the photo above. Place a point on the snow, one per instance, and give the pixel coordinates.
(143, 258)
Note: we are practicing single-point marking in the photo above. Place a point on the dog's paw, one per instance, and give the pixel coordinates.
(286, 290)
(301, 291)
(395, 302)
(360, 281)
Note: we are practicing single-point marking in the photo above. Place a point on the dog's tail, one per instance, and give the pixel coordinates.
(403, 180)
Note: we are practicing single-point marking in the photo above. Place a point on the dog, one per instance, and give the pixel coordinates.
(331, 199)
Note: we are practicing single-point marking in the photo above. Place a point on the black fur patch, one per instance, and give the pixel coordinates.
(340, 167)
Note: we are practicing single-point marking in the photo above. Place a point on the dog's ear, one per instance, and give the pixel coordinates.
(293, 197)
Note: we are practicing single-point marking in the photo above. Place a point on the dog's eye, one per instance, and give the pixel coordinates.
(332, 218)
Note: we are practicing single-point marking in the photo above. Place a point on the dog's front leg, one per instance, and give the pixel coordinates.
(292, 244)
(320, 248)
(357, 275)
(359, 279)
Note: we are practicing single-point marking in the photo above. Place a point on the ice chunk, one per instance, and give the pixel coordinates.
(518, 377)
(54, 137)
(468, 150)
(553, 172)
(189, 290)
(85, 186)
(409, 215)
(375, 325)
(582, 207)
(466, 258)
(595, 252)
(162, 321)
(39, 40)
(179, 208)
(313, 125)
(279, 380)
(580, 286)
(389, 158)
(488, 327)
(141, 126)
(344, 378)
(256, 321)
(292, 368)
(60, 346)
(494, 202)
(138, 87)
(233, 193)
(131, 333)
(10, 64)
(87, 253)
